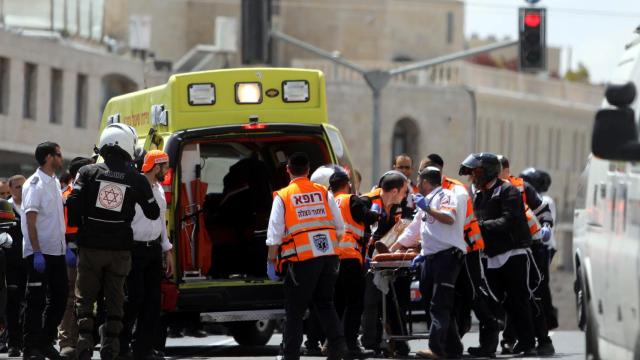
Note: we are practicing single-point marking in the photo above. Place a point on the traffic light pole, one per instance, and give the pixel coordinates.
(378, 79)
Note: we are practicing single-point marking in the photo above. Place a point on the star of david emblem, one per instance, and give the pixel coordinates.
(110, 197)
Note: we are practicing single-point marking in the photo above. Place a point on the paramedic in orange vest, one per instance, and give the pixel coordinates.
(386, 198)
(68, 329)
(349, 293)
(304, 228)
(472, 290)
(538, 211)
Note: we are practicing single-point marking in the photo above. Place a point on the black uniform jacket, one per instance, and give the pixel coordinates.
(102, 204)
(500, 213)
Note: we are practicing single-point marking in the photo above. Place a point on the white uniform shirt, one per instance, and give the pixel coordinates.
(17, 208)
(41, 194)
(435, 235)
(276, 229)
(150, 230)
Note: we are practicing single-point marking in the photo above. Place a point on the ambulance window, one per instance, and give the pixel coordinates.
(337, 144)
(216, 159)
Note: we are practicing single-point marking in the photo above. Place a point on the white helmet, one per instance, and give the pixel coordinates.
(120, 136)
(323, 174)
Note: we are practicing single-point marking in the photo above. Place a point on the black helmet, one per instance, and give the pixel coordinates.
(484, 167)
(539, 179)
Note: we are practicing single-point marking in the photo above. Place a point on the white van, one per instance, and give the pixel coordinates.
(606, 243)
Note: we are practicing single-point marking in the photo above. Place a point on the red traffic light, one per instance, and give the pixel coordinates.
(532, 20)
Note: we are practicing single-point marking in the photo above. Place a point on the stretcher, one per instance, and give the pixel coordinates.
(388, 267)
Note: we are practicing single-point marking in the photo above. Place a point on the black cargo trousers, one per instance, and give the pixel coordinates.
(311, 283)
(46, 300)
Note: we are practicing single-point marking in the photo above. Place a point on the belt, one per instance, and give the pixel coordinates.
(147, 243)
(454, 250)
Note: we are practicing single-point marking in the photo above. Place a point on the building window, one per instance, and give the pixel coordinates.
(55, 107)
(405, 139)
(4, 86)
(81, 101)
(30, 91)
(450, 27)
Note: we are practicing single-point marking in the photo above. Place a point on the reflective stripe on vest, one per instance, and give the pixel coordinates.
(309, 227)
(65, 195)
(304, 226)
(350, 243)
(532, 221)
(472, 234)
(301, 249)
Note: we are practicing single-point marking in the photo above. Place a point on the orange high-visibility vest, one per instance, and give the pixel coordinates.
(350, 245)
(472, 234)
(532, 221)
(309, 227)
(65, 195)
(375, 196)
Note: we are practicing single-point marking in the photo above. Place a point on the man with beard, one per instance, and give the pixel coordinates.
(151, 243)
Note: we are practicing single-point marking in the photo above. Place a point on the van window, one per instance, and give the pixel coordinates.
(241, 173)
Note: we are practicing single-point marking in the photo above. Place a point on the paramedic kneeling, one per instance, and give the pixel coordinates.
(443, 246)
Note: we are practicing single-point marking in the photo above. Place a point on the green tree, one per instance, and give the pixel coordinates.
(580, 75)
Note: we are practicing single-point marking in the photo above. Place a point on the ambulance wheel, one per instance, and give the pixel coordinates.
(252, 333)
(591, 334)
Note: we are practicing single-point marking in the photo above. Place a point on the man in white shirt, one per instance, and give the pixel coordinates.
(44, 248)
(151, 245)
(443, 246)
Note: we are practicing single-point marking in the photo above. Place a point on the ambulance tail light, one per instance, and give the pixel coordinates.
(254, 126)
(166, 186)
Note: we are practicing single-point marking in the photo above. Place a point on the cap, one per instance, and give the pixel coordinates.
(152, 158)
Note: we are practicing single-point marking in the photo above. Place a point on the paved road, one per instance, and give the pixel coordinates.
(569, 345)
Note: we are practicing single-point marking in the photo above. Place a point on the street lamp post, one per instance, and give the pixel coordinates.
(377, 79)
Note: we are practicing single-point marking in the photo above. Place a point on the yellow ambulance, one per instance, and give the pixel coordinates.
(228, 134)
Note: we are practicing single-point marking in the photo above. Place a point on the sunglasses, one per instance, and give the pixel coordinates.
(57, 154)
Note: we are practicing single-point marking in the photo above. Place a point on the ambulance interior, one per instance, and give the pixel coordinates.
(240, 174)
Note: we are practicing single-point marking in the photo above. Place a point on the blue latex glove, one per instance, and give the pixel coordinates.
(420, 201)
(367, 263)
(545, 232)
(71, 259)
(271, 271)
(38, 262)
(417, 261)
(376, 208)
